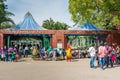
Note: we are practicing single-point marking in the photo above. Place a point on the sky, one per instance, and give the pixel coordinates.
(41, 10)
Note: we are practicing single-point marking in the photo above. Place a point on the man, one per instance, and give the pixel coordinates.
(92, 53)
(102, 54)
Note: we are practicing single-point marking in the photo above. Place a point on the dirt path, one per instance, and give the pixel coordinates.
(55, 70)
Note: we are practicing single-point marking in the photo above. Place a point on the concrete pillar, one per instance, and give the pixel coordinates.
(58, 36)
(1, 40)
(54, 41)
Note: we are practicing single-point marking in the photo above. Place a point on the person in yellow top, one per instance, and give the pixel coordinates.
(35, 53)
(68, 53)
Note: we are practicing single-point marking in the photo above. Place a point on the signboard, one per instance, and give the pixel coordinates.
(59, 45)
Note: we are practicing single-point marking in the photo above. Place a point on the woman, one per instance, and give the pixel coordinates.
(3, 52)
(35, 53)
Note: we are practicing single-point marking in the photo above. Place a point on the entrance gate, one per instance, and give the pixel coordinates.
(84, 41)
(46, 42)
(40, 41)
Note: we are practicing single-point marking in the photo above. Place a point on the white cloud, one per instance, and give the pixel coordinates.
(41, 10)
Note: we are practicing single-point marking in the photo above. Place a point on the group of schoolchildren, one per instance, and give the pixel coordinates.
(106, 55)
(9, 55)
(14, 53)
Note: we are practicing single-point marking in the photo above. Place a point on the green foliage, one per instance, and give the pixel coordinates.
(4, 16)
(104, 13)
(51, 24)
(48, 24)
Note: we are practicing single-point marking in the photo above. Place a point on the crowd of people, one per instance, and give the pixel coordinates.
(107, 55)
(13, 54)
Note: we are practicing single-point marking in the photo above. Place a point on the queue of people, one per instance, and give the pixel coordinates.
(13, 53)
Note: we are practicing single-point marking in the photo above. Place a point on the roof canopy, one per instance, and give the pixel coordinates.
(86, 26)
(27, 24)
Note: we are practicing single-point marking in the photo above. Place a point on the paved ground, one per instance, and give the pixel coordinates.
(55, 70)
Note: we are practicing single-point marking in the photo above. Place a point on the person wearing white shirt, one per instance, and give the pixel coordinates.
(92, 53)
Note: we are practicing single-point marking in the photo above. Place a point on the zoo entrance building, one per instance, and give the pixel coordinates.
(29, 32)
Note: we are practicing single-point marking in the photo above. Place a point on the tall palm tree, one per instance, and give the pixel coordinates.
(48, 24)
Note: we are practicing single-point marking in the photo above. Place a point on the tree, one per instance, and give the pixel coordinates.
(48, 24)
(104, 13)
(51, 24)
(4, 16)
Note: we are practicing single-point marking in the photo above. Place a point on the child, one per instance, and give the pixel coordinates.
(0, 56)
(13, 56)
(6, 56)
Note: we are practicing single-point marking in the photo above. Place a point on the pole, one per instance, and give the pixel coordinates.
(8, 42)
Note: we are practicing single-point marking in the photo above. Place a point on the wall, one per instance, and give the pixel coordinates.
(59, 35)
